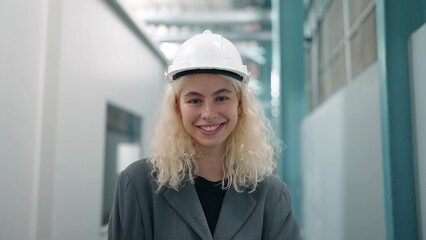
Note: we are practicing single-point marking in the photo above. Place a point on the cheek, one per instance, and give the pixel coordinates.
(237, 108)
(186, 115)
(181, 108)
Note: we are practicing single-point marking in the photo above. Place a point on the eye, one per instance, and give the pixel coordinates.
(194, 101)
(222, 98)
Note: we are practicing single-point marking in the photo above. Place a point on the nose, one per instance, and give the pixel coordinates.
(208, 111)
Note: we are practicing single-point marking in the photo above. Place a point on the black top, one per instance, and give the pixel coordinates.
(211, 197)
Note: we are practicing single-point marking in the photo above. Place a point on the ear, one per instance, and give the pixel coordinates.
(177, 106)
(240, 107)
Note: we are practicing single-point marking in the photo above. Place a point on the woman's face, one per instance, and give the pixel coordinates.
(209, 107)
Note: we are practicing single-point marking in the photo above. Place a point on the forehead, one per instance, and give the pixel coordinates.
(206, 83)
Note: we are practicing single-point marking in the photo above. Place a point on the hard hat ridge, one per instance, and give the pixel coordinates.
(208, 53)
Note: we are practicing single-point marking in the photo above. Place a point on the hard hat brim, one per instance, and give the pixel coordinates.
(212, 71)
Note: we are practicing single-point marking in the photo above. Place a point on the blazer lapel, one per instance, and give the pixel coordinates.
(236, 209)
(186, 203)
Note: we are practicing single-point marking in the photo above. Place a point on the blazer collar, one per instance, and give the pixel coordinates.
(236, 209)
(185, 202)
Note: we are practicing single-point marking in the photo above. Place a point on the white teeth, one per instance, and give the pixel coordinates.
(210, 128)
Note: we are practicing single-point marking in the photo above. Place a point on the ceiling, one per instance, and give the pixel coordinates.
(167, 23)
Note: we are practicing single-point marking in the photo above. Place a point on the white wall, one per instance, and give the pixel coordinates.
(22, 32)
(341, 164)
(61, 62)
(418, 85)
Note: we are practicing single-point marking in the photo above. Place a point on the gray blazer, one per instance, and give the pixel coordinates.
(138, 212)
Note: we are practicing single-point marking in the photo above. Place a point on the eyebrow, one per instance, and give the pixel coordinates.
(197, 94)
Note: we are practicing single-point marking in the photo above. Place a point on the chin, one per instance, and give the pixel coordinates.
(206, 144)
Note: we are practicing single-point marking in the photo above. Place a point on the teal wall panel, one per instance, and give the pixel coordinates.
(293, 106)
(396, 21)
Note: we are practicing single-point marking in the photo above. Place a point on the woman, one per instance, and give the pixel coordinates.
(210, 172)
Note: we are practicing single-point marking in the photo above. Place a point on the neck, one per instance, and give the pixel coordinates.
(210, 164)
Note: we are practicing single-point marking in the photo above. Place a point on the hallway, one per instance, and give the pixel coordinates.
(341, 82)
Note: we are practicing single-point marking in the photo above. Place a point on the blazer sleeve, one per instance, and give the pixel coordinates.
(125, 222)
(281, 223)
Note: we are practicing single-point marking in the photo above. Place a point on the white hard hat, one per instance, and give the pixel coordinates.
(208, 53)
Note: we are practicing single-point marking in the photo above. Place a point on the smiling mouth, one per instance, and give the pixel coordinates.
(210, 128)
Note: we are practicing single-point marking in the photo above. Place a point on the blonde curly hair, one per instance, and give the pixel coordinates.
(251, 150)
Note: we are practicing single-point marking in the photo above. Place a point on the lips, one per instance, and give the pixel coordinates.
(211, 129)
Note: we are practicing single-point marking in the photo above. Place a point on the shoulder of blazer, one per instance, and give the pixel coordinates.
(271, 188)
(140, 174)
(272, 183)
(139, 167)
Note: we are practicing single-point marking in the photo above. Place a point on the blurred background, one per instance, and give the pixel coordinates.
(342, 82)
